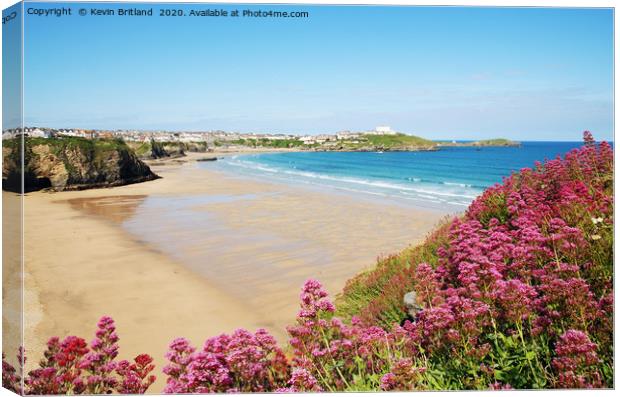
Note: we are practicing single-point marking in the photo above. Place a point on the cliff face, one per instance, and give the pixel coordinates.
(156, 150)
(71, 164)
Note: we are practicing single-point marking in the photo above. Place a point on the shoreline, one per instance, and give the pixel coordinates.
(83, 256)
(385, 192)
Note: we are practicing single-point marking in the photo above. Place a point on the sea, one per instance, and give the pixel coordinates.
(447, 179)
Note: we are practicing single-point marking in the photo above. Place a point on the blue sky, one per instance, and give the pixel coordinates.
(461, 73)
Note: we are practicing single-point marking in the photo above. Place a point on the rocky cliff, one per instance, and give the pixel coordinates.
(71, 164)
(156, 150)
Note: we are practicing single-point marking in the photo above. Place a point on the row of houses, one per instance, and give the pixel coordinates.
(345, 135)
(36, 132)
(31, 132)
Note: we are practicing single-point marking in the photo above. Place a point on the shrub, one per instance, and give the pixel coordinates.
(376, 296)
(336, 356)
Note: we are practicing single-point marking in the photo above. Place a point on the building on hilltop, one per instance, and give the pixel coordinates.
(383, 130)
(38, 133)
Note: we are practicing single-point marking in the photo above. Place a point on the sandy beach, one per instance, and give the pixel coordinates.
(195, 253)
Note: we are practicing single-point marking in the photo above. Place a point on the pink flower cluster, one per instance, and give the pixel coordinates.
(69, 366)
(576, 361)
(240, 362)
(326, 355)
(301, 381)
(336, 355)
(402, 376)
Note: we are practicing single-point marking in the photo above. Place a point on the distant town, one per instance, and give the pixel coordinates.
(186, 136)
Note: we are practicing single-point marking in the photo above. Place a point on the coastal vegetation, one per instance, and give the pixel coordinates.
(400, 142)
(367, 142)
(70, 163)
(515, 293)
(270, 143)
(357, 142)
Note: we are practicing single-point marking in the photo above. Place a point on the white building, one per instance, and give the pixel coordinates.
(384, 130)
(347, 135)
(67, 132)
(307, 140)
(38, 133)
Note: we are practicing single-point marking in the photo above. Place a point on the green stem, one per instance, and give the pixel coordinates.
(319, 371)
(525, 350)
(332, 357)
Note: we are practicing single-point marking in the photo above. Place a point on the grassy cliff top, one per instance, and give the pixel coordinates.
(95, 145)
(398, 140)
(94, 148)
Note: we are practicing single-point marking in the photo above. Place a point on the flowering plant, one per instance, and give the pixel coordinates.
(240, 362)
(70, 366)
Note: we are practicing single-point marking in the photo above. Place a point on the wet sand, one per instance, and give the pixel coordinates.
(195, 254)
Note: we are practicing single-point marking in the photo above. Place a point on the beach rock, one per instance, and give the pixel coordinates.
(158, 150)
(71, 164)
(154, 150)
(411, 303)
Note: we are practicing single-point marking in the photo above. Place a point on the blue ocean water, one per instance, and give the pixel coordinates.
(446, 179)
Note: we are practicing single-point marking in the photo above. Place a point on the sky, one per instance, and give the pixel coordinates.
(437, 72)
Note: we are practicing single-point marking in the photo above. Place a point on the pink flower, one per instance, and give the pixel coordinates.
(515, 298)
(576, 361)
